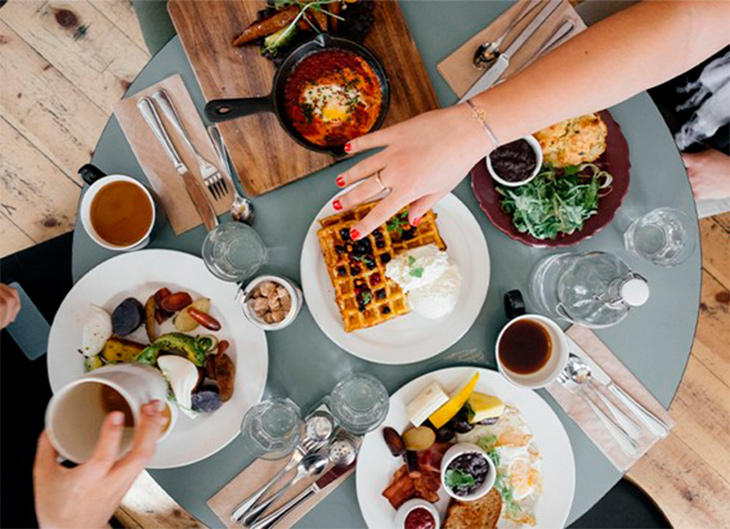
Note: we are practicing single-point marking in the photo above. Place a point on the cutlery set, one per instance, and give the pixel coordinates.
(496, 60)
(216, 181)
(583, 377)
(331, 450)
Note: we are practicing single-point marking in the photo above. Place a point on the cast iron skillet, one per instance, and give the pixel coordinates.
(226, 109)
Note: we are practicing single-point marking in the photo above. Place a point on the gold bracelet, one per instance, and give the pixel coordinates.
(480, 116)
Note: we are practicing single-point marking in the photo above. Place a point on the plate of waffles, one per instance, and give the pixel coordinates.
(379, 325)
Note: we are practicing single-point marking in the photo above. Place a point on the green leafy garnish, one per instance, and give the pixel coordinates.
(398, 223)
(416, 272)
(411, 260)
(366, 298)
(558, 201)
(456, 478)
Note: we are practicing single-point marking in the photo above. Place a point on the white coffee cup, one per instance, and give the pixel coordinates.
(555, 364)
(75, 414)
(100, 181)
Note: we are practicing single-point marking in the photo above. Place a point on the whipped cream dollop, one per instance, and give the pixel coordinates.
(429, 277)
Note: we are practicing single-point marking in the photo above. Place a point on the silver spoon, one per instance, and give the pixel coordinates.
(318, 428)
(489, 52)
(311, 466)
(342, 453)
(584, 370)
(576, 373)
(242, 209)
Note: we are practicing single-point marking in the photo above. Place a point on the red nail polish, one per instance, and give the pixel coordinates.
(416, 221)
(348, 147)
(337, 205)
(354, 234)
(340, 181)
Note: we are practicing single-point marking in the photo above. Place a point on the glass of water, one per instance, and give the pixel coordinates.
(233, 251)
(663, 236)
(272, 428)
(360, 403)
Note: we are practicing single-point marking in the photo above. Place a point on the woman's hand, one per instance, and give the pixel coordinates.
(9, 305)
(424, 158)
(709, 174)
(87, 496)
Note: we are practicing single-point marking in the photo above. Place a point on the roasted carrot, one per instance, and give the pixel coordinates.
(267, 26)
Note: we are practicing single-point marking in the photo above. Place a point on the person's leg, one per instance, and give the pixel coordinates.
(156, 25)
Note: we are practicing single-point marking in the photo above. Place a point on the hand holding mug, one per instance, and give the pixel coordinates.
(87, 496)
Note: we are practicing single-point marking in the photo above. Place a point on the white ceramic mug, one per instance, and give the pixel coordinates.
(75, 414)
(555, 364)
(97, 180)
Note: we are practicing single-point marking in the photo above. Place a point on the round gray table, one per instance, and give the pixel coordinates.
(654, 342)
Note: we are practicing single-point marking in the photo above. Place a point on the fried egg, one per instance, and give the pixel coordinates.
(332, 102)
(517, 461)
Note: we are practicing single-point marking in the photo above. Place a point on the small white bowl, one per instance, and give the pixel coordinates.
(297, 302)
(468, 448)
(410, 505)
(538, 159)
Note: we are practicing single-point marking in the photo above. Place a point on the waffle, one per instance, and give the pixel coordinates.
(365, 296)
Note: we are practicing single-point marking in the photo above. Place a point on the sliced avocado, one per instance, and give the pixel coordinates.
(194, 348)
(274, 42)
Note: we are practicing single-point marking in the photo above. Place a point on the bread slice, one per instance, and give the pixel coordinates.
(478, 514)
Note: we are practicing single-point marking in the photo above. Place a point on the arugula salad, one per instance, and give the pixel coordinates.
(558, 201)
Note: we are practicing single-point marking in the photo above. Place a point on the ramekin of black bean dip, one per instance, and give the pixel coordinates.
(467, 472)
(517, 163)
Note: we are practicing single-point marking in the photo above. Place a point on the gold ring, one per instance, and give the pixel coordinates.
(380, 182)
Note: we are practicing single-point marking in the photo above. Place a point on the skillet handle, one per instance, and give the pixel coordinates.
(226, 109)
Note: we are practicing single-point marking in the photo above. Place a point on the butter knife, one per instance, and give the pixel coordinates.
(332, 475)
(653, 423)
(494, 73)
(195, 191)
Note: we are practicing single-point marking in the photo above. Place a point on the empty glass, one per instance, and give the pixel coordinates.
(272, 428)
(360, 403)
(233, 251)
(663, 236)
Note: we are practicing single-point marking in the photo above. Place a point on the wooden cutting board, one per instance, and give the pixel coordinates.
(263, 154)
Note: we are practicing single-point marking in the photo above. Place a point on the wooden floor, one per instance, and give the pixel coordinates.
(63, 66)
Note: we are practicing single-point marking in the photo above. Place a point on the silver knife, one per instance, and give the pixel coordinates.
(657, 427)
(195, 191)
(332, 475)
(493, 74)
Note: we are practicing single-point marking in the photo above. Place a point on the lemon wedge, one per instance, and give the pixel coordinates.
(457, 399)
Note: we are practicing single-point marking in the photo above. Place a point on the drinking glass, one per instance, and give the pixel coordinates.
(662, 236)
(233, 251)
(360, 403)
(272, 428)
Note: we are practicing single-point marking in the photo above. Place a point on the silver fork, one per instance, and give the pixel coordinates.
(623, 439)
(307, 445)
(211, 175)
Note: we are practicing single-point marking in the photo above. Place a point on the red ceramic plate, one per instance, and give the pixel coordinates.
(615, 160)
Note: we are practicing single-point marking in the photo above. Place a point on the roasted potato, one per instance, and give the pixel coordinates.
(149, 319)
(225, 376)
(118, 350)
(184, 322)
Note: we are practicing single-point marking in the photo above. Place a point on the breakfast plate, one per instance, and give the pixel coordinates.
(408, 338)
(615, 159)
(376, 465)
(139, 275)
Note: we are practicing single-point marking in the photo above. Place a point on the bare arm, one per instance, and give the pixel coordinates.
(636, 49)
(613, 60)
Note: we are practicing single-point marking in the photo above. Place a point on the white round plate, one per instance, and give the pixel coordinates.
(139, 275)
(376, 465)
(408, 338)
